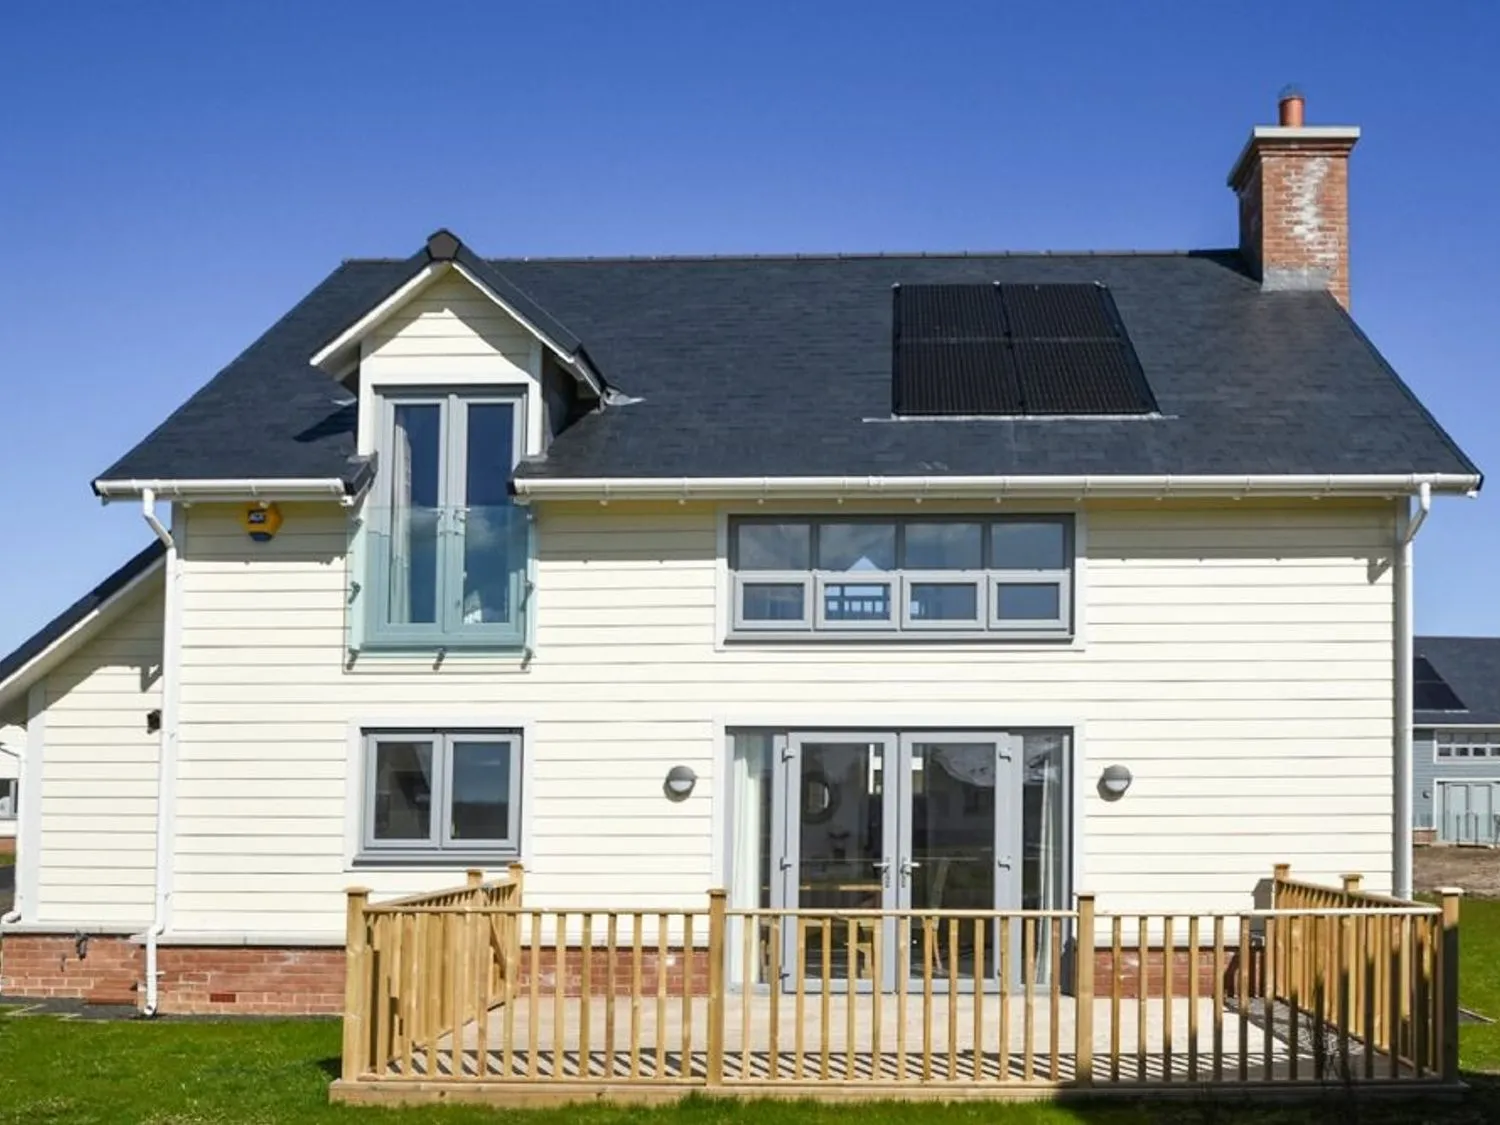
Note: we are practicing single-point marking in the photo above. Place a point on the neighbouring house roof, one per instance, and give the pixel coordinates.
(1470, 669)
(779, 367)
(68, 629)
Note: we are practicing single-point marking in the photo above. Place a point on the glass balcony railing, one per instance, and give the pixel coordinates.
(424, 578)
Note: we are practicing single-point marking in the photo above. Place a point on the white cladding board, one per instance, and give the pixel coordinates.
(1237, 659)
(99, 776)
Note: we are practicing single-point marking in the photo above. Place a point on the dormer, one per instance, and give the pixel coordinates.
(459, 375)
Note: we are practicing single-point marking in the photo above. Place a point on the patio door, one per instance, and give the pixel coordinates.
(839, 833)
(884, 821)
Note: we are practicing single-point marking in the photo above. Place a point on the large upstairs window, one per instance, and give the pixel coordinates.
(446, 546)
(1006, 576)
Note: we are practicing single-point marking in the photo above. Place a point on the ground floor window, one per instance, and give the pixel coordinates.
(940, 820)
(8, 794)
(430, 794)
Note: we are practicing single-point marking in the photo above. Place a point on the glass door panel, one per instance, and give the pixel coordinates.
(490, 543)
(839, 825)
(416, 468)
(960, 854)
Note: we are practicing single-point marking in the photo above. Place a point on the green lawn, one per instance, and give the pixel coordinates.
(277, 1073)
(7, 859)
(1479, 983)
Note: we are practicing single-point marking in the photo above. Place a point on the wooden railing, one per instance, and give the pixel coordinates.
(1354, 964)
(421, 967)
(471, 988)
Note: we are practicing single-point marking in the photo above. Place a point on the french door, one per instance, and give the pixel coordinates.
(910, 821)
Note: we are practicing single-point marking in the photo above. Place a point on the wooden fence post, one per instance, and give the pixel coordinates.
(1083, 1017)
(475, 876)
(1352, 884)
(1448, 984)
(356, 986)
(716, 947)
(517, 880)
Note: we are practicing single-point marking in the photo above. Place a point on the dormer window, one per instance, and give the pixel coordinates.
(446, 546)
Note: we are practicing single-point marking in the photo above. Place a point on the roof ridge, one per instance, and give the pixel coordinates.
(833, 256)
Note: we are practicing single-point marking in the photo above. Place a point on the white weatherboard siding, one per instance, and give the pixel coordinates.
(449, 334)
(1237, 659)
(99, 776)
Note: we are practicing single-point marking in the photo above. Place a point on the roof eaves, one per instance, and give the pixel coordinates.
(18, 667)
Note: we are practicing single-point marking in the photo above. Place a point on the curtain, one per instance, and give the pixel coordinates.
(749, 836)
(1044, 755)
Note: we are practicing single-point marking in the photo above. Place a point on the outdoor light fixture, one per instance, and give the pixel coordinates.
(1113, 782)
(679, 783)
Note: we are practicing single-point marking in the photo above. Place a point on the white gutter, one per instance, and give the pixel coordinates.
(289, 488)
(1408, 527)
(992, 487)
(166, 772)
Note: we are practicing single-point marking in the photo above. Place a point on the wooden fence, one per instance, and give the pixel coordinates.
(470, 993)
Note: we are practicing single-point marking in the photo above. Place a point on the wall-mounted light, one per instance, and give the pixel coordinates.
(679, 783)
(1114, 781)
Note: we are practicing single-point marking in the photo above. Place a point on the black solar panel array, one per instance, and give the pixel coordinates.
(1014, 350)
(1430, 692)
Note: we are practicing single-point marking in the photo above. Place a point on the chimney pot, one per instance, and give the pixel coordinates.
(1291, 105)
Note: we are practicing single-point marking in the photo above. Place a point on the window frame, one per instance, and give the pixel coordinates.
(453, 510)
(439, 846)
(1465, 744)
(10, 798)
(903, 625)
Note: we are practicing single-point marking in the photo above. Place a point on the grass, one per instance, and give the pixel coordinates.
(1479, 983)
(276, 1072)
(7, 859)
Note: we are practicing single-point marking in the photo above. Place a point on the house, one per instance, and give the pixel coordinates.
(946, 580)
(1456, 741)
(12, 739)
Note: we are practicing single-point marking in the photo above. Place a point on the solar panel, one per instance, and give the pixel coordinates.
(951, 312)
(1059, 312)
(1013, 350)
(1079, 377)
(1430, 692)
(934, 378)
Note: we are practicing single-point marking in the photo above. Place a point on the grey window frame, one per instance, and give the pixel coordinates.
(745, 578)
(1486, 740)
(984, 624)
(453, 404)
(11, 788)
(439, 845)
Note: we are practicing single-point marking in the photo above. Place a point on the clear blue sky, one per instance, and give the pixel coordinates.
(174, 177)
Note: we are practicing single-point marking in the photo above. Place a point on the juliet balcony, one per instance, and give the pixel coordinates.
(433, 579)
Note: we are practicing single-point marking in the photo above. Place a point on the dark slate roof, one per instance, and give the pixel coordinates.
(781, 366)
(1471, 667)
(39, 641)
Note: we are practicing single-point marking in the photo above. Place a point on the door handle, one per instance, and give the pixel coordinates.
(907, 867)
(884, 867)
(1003, 861)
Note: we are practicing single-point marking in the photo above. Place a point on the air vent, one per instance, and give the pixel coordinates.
(1013, 350)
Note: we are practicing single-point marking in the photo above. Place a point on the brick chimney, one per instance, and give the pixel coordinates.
(1292, 180)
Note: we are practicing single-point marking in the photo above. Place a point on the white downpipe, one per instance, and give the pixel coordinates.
(1404, 653)
(166, 776)
(1405, 629)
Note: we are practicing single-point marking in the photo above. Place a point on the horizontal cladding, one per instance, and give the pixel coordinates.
(99, 777)
(1237, 659)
